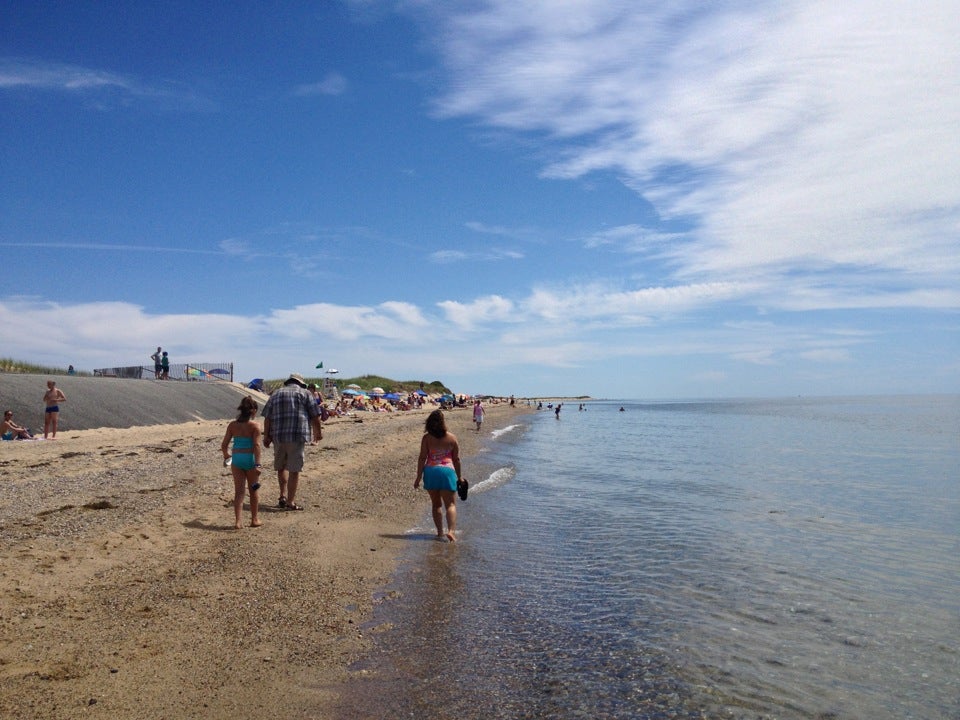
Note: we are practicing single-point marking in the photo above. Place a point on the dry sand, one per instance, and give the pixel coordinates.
(125, 592)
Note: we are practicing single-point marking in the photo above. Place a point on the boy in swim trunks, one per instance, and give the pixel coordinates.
(52, 399)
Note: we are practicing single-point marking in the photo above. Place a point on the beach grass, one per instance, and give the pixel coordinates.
(19, 366)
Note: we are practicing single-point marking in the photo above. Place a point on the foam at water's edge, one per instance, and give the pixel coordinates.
(502, 431)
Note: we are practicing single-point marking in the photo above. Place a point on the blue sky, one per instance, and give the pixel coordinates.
(622, 199)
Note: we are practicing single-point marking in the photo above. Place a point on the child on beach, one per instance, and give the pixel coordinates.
(245, 463)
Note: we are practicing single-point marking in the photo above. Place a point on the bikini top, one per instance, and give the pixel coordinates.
(440, 457)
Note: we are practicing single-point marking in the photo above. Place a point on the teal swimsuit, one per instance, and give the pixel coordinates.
(243, 460)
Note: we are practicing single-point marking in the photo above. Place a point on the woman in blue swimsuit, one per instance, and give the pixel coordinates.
(439, 468)
(245, 463)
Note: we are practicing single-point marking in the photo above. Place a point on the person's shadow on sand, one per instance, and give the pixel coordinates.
(199, 524)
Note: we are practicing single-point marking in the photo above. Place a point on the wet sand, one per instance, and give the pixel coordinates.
(125, 591)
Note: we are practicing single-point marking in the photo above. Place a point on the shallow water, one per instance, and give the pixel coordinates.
(765, 559)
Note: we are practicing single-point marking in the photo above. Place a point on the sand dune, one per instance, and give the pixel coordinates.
(94, 402)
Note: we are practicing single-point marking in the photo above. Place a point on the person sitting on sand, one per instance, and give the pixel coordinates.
(245, 463)
(439, 468)
(52, 399)
(11, 431)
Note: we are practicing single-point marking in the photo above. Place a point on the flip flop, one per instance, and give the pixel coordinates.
(294, 506)
(282, 502)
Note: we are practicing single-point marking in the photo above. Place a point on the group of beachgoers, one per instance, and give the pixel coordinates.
(11, 430)
(292, 418)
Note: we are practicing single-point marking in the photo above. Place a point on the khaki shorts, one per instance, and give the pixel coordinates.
(288, 456)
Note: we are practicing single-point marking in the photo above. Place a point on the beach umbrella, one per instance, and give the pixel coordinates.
(391, 396)
(351, 391)
(353, 386)
(421, 393)
(194, 372)
(377, 391)
(220, 371)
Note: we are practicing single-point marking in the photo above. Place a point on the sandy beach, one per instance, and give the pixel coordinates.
(125, 592)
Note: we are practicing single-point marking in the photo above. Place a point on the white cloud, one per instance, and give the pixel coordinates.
(21, 73)
(515, 233)
(100, 88)
(829, 355)
(488, 334)
(444, 257)
(391, 321)
(332, 84)
(629, 306)
(796, 136)
(482, 311)
(448, 256)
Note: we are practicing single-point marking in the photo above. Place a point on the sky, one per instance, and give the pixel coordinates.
(555, 197)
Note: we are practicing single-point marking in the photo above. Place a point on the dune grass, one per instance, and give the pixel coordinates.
(19, 366)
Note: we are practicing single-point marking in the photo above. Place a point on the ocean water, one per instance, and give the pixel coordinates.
(795, 558)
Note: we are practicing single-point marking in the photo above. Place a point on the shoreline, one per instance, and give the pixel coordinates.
(125, 591)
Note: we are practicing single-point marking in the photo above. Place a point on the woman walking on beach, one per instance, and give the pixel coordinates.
(51, 415)
(439, 468)
(245, 464)
(478, 413)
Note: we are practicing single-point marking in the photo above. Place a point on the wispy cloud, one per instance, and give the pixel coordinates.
(97, 87)
(521, 233)
(444, 257)
(20, 73)
(109, 247)
(332, 84)
(792, 136)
